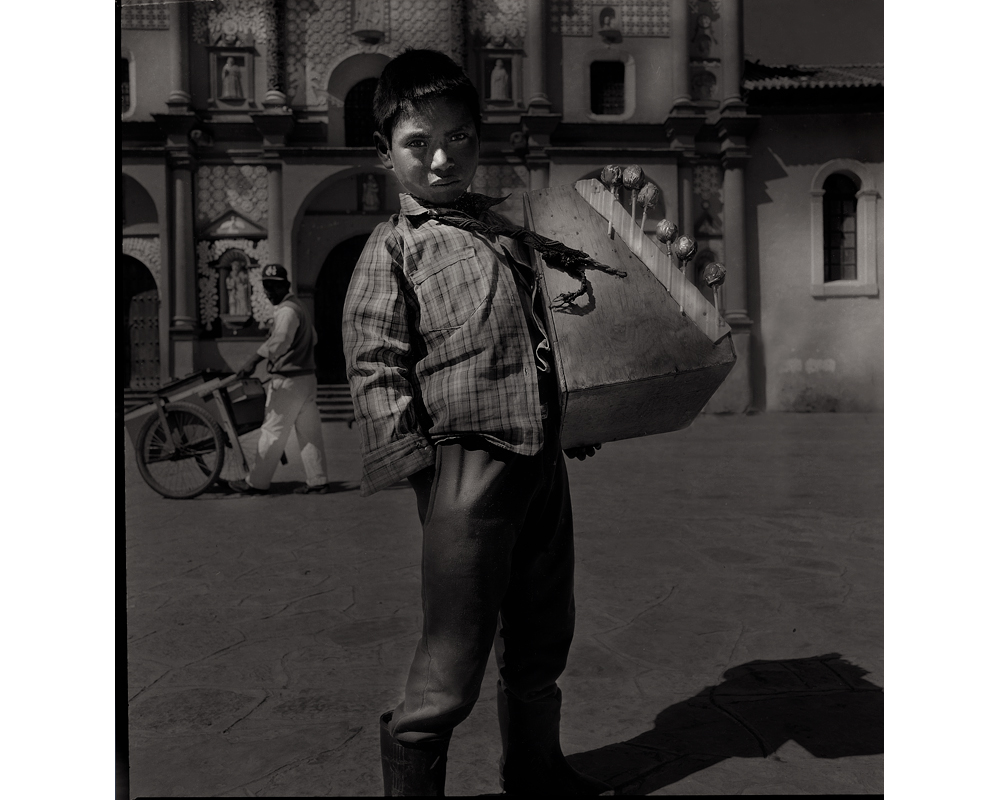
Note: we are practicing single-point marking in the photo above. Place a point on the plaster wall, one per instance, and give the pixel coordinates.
(150, 53)
(814, 353)
(653, 77)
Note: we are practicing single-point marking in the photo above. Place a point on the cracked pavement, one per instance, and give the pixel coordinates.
(729, 621)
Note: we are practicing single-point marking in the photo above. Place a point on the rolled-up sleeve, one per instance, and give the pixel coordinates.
(380, 360)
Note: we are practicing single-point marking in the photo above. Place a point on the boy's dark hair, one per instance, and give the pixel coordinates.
(415, 78)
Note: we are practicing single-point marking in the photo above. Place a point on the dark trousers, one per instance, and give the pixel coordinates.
(497, 567)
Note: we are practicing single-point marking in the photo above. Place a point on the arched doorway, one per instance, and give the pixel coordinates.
(330, 294)
(139, 333)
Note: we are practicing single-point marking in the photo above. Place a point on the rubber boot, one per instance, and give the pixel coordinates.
(412, 770)
(532, 761)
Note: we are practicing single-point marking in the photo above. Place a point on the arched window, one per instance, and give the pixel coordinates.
(359, 121)
(125, 84)
(840, 229)
(846, 230)
(607, 87)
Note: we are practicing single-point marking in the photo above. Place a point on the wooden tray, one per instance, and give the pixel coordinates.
(629, 361)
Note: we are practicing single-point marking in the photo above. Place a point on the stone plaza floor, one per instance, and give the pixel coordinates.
(729, 622)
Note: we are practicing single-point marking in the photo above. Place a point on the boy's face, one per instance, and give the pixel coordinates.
(434, 152)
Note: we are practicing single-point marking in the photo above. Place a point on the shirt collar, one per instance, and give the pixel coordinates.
(474, 205)
(410, 206)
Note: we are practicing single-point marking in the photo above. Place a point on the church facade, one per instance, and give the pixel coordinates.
(246, 140)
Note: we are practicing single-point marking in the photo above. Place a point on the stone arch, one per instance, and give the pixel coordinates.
(343, 77)
(328, 301)
(139, 212)
(856, 170)
(866, 283)
(138, 317)
(311, 249)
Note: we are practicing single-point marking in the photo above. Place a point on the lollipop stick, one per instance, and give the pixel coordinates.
(610, 232)
(718, 308)
(642, 224)
(633, 206)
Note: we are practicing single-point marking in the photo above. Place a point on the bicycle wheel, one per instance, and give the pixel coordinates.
(184, 460)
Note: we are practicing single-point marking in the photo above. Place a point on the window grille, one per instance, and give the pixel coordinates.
(607, 87)
(126, 88)
(359, 121)
(840, 229)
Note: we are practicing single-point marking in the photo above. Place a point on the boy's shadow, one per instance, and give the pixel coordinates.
(823, 703)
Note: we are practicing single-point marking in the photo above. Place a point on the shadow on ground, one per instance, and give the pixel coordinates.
(822, 703)
(221, 487)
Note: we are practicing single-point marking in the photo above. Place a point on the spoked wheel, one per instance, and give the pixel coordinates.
(184, 460)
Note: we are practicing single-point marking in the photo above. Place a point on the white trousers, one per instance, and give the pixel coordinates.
(291, 403)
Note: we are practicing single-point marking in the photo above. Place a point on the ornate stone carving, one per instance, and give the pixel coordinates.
(243, 188)
(250, 16)
(319, 37)
(497, 180)
(147, 250)
(498, 23)
(144, 15)
(208, 278)
(634, 17)
(708, 181)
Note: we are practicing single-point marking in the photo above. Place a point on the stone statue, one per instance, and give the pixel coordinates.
(370, 200)
(499, 81)
(368, 15)
(238, 289)
(232, 81)
(607, 19)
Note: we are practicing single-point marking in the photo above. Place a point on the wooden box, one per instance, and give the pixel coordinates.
(638, 355)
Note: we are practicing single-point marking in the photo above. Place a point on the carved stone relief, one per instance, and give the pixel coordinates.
(209, 253)
(219, 188)
(496, 180)
(144, 15)
(632, 17)
(147, 250)
(319, 37)
(497, 23)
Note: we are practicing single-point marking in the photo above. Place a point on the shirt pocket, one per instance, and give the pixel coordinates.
(450, 290)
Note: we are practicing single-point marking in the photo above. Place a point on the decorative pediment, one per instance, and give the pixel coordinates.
(233, 225)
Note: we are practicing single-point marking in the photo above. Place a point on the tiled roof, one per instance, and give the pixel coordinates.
(762, 76)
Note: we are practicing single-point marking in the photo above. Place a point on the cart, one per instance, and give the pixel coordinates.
(181, 438)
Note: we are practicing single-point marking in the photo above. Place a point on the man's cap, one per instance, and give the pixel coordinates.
(274, 272)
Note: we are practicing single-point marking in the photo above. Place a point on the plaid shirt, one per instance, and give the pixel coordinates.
(438, 344)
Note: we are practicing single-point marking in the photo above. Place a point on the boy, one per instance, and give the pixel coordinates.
(453, 389)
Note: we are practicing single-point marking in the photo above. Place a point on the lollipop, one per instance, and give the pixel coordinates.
(684, 248)
(611, 176)
(648, 195)
(666, 231)
(632, 178)
(715, 275)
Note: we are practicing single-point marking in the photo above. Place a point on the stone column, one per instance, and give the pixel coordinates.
(534, 45)
(680, 28)
(276, 220)
(179, 98)
(686, 218)
(734, 290)
(732, 52)
(185, 308)
(735, 396)
(275, 96)
(538, 173)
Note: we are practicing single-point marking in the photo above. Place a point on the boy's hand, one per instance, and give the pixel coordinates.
(583, 451)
